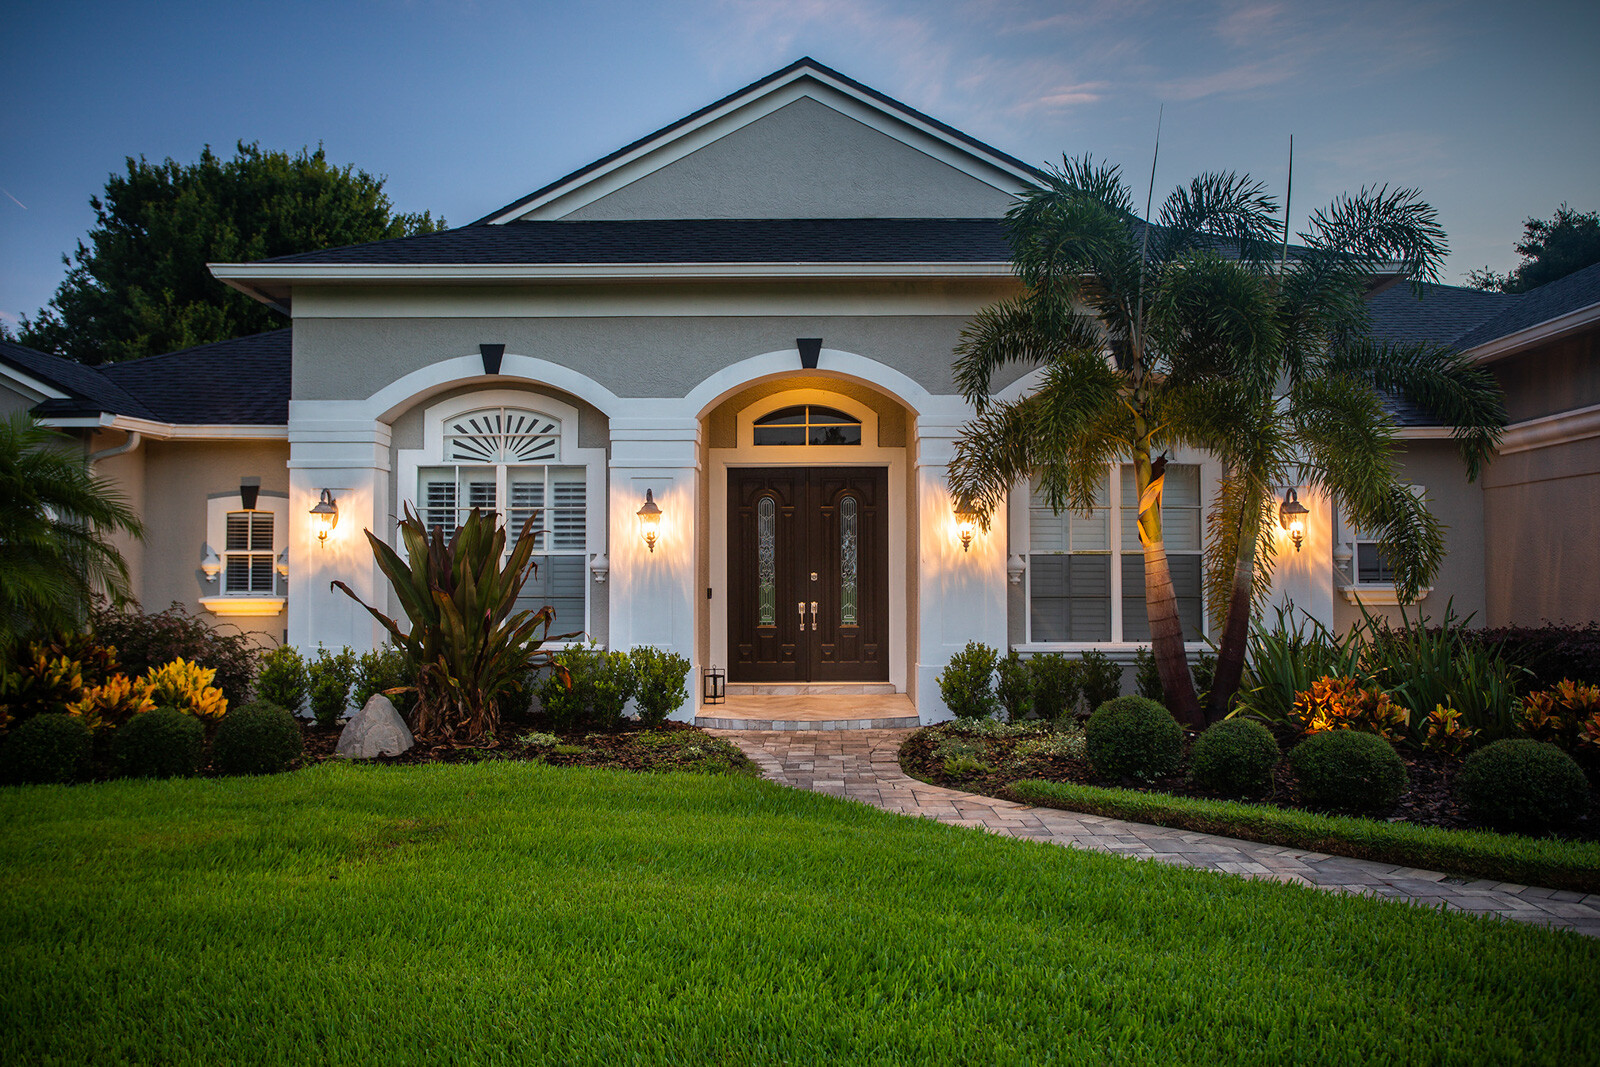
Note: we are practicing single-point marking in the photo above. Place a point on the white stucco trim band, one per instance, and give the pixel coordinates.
(170, 431)
(1576, 425)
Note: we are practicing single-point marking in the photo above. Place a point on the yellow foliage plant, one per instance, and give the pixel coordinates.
(105, 707)
(1443, 731)
(1565, 713)
(1342, 704)
(187, 687)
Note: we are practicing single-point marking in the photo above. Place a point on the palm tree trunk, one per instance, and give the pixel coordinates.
(1160, 599)
(1236, 625)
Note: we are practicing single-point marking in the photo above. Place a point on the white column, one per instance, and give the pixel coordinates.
(652, 594)
(961, 593)
(1305, 578)
(350, 459)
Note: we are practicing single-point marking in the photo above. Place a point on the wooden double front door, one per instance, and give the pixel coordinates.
(808, 568)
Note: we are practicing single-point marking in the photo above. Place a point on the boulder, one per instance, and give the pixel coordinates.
(376, 730)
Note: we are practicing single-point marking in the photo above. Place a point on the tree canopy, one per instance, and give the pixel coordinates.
(140, 285)
(1550, 248)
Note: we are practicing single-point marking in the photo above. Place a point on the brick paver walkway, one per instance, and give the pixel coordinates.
(863, 765)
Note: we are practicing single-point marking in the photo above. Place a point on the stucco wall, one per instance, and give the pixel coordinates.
(181, 476)
(1554, 377)
(14, 398)
(804, 160)
(662, 356)
(1542, 521)
(1459, 505)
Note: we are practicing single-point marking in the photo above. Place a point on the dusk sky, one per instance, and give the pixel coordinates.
(1491, 109)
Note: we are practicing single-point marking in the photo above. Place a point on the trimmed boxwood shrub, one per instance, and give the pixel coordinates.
(164, 743)
(1523, 785)
(967, 684)
(1234, 757)
(1347, 770)
(46, 748)
(259, 738)
(1133, 737)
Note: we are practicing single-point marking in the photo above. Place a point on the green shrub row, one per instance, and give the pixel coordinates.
(587, 688)
(979, 682)
(1553, 863)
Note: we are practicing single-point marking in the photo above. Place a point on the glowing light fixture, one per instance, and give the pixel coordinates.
(325, 515)
(1292, 514)
(649, 520)
(966, 526)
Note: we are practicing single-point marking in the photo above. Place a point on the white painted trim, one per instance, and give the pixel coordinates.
(217, 507)
(1378, 595)
(241, 606)
(170, 431)
(1538, 333)
(1578, 424)
(410, 461)
(744, 422)
(597, 181)
(831, 363)
(29, 382)
(1424, 433)
(450, 373)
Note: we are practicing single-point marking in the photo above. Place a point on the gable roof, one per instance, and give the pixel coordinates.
(81, 387)
(688, 241)
(802, 69)
(1468, 319)
(1576, 292)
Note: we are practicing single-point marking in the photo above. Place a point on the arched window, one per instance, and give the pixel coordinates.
(807, 424)
(506, 460)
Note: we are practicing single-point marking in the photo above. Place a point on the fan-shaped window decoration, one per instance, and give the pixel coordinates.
(807, 424)
(502, 435)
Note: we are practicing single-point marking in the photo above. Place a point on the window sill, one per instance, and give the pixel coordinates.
(1377, 595)
(1117, 650)
(243, 605)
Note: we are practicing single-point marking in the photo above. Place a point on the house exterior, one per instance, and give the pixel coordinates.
(747, 320)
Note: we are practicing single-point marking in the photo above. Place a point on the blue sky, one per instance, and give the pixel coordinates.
(1490, 108)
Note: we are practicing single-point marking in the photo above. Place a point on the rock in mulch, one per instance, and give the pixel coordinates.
(376, 730)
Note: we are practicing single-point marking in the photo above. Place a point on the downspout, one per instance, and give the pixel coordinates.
(129, 445)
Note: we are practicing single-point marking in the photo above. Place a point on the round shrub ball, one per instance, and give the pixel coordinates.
(47, 748)
(1522, 785)
(1235, 757)
(1133, 737)
(164, 743)
(259, 738)
(1347, 770)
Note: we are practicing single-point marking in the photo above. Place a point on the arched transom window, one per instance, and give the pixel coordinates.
(807, 424)
(507, 461)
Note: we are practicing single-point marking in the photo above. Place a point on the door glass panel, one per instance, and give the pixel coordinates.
(847, 561)
(766, 562)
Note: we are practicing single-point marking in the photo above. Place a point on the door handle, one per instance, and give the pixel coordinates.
(802, 607)
(813, 614)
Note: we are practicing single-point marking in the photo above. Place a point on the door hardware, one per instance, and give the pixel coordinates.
(813, 614)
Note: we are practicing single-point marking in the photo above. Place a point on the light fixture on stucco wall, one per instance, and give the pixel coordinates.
(966, 526)
(325, 515)
(1292, 514)
(649, 520)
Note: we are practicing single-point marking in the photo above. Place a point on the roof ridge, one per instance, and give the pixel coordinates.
(192, 349)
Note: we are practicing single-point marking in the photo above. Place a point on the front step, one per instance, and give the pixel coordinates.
(906, 722)
(809, 689)
(823, 708)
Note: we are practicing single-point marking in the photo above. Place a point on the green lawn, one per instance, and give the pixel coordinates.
(517, 913)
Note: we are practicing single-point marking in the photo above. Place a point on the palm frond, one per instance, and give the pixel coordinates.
(1382, 226)
(1229, 211)
(1216, 318)
(1008, 333)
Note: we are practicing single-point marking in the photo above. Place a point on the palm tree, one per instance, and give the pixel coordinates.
(1310, 408)
(55, 516)
(1113, 388)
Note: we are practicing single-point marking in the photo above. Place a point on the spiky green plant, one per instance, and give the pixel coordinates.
(459, 595)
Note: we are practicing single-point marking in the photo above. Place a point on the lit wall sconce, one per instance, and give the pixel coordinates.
(649, 520)
(210, 564)
(966, 526)
(283, 564)
(1292, 514)
(325, 515)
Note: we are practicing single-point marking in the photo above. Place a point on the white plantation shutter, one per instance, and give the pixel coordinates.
(248, 557)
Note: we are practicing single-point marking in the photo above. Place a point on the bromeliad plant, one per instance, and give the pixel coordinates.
(469, 643)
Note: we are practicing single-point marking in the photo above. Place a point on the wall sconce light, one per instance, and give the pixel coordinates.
(649, 520)
(1292, 514)
(210, 564)
(325, 515)
(966, 526)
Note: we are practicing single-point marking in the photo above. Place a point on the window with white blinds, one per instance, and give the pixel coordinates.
(247, 557)
(1079, 570)
(503, 461)
(1371, 566)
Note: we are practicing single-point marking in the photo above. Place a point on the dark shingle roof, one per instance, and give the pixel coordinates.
(1579, 289)
(87, 389)
(242, 381)
(687, 241)
(1442, 314)
(804, 62)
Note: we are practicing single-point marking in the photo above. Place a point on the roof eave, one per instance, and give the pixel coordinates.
(169, 431)
(1538, 333)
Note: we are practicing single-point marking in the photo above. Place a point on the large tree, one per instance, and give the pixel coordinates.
(1550, 249)
(140, 286)
(55, 520)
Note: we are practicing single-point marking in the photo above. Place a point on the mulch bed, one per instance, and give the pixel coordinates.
(1429, 801)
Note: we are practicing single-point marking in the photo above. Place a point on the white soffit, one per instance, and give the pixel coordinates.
(679, 141)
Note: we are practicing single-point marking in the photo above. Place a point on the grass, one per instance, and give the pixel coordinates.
(513, 912)
(1551, 863)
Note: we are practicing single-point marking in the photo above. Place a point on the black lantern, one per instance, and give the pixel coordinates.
(649, 520)
(713, 685)
(1292, 514)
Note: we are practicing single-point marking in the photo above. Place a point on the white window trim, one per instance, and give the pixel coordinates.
(1351, 587)
(745, 421)
(218, 505)
(1018, 524)
(409, 463)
